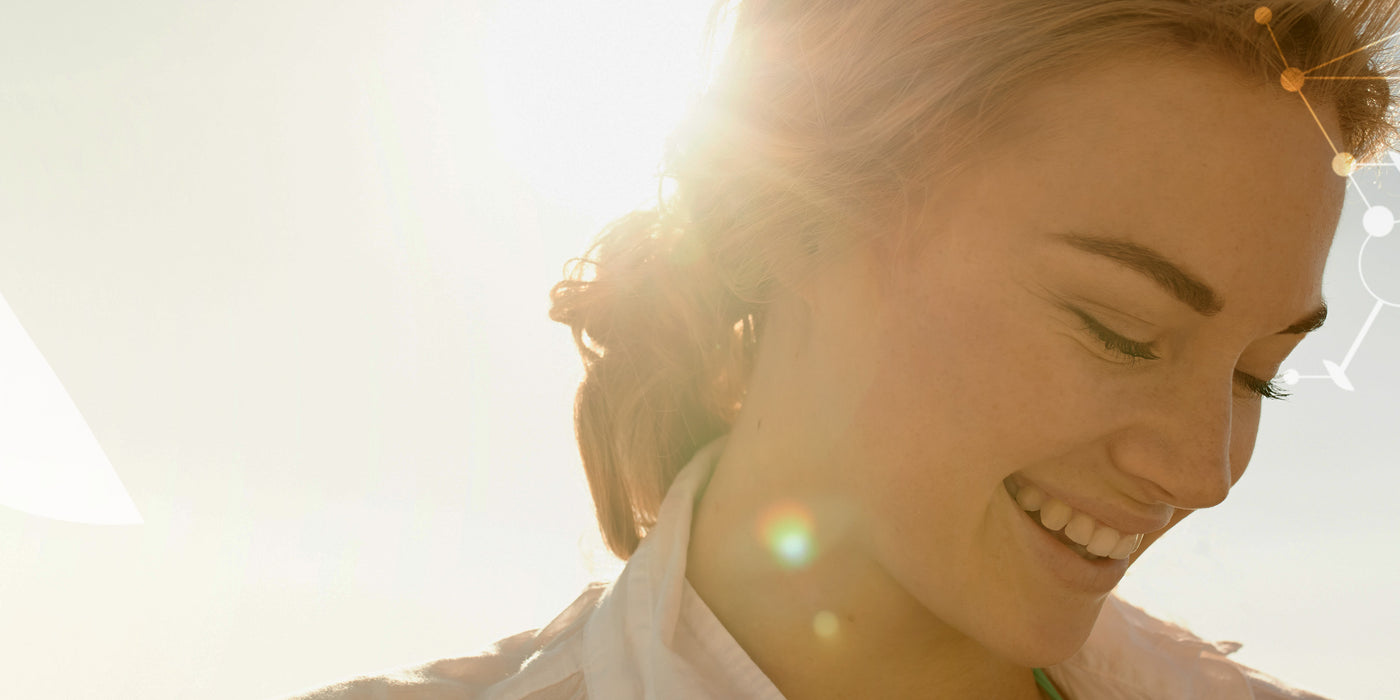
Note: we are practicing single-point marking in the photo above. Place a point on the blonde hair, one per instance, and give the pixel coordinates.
(824, 118)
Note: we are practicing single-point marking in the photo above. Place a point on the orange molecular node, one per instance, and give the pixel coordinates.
(1291, 79)
(1263, 15)
(1344, 164)
(786, 530)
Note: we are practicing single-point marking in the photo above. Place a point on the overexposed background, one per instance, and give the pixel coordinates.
(291, 259)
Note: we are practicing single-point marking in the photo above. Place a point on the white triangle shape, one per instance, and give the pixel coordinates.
(50, 462)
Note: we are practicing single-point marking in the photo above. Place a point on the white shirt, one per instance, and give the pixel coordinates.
(649, 635)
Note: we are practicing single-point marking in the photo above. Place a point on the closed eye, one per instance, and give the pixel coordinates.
(1269, 389)
(1128, 349)
(1131, 351)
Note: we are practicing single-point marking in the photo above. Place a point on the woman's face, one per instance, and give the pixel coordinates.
(1088, 313)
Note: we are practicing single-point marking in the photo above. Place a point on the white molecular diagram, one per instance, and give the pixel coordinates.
(1378, 221)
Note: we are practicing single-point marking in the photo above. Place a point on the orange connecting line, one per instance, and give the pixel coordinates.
(1378, 220)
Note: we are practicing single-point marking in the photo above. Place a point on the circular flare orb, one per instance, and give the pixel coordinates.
(786, 529)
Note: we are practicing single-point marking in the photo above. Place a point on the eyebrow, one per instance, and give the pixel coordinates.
(1185, 287)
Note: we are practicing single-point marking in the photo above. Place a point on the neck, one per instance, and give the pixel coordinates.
(818, 615)
(823, 621)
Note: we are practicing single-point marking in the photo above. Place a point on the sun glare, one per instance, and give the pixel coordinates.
(582, 100)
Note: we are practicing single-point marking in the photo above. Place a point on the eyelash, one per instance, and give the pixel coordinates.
(1134, 351)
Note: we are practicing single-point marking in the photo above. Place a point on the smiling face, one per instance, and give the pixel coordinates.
(1092, 311)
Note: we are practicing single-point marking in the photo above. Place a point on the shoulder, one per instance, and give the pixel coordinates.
(1132, 655)
(1267, 687)
(517, 660)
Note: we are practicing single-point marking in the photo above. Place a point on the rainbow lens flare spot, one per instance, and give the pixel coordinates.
(786, 529)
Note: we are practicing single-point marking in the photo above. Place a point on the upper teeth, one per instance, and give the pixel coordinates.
(1099, 539)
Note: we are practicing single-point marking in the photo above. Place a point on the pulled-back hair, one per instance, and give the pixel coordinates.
(824, 119)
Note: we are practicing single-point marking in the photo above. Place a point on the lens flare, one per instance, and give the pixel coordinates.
(786, 528)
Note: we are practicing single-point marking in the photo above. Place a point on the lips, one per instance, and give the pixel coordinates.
(1057, 560)
(1124, 515)
(1081, 531)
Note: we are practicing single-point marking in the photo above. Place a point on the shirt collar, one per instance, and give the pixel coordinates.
(651, 635)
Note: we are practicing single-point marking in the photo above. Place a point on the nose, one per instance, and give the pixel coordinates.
(1178, 442)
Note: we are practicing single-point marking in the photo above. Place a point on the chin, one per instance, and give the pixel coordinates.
(1047, 639)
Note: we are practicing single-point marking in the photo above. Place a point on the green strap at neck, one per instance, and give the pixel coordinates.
(1044, 682)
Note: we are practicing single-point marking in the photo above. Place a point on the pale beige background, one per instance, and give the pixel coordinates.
(291, 261)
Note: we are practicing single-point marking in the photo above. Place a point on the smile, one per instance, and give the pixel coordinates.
(1086, 536)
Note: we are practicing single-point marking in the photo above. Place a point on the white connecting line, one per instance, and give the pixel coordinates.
(1378, 222)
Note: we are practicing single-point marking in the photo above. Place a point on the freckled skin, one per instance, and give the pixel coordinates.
(895, 396)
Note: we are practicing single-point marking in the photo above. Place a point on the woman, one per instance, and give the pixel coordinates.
(954, 309)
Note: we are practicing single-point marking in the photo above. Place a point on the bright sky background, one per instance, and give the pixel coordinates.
(291, 261)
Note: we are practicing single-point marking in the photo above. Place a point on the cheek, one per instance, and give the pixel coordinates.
(1243, 431)
(975, 380)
